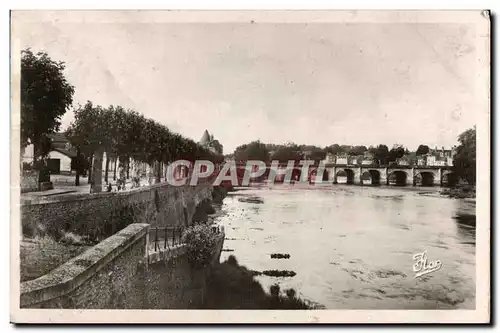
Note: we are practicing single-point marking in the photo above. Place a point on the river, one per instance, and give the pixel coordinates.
(352, 247)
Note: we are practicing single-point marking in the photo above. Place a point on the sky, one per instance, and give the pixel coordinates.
(308, 83)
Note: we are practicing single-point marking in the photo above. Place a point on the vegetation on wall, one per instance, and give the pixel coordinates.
(200, 240)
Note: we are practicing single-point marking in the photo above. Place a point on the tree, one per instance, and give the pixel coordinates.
(88, 132)
(464, 161)
(396, 152)
(45, 97)
(357, 150)
(317, 154)
(288, 152)
(422, 150)
(381, 154)
(255, 150)
(334, 149)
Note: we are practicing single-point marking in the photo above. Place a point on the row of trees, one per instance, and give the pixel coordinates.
(125, 134)
(291, 151)
(121, 133)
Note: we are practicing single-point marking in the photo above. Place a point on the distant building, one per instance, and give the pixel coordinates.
(368, 158)
(342, 159)
(437, 157)
(59, 157)
(440, 157)
(206, 141)
(329, 158)
(405, 160)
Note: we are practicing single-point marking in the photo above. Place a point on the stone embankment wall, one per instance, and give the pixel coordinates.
(97, 216)
(120, 273)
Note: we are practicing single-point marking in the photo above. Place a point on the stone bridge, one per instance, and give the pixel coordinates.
(401, 175)
(393, 175)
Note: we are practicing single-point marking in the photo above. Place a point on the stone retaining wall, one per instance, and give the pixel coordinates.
(119, 273)
(101, 215)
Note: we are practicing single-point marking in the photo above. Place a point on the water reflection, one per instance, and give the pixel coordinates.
(352, 247)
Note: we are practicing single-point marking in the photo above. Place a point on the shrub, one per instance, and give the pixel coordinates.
(200, 241)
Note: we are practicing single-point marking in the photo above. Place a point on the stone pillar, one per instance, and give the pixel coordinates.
(386, 176)
(96, 186)
(334, 176)
(410, 179)
(413, 178)
(439, 180)
(357, 176)
(383, 176)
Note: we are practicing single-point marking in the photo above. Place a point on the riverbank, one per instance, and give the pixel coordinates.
(460, 192)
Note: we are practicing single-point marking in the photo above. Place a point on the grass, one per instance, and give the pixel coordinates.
(40, 255)
(232, 286)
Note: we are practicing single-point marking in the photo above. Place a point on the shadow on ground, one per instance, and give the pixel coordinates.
(232, 286)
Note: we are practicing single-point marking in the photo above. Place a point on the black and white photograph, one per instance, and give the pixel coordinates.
(333, 164)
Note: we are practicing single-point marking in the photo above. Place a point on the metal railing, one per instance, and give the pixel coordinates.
(165, 237)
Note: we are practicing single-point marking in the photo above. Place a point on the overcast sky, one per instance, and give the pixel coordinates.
(319, 83)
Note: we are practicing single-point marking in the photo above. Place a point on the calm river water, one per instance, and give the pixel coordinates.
(352, 247)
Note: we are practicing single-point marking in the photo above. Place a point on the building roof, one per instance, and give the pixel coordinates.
(69, 153)
(205, 139)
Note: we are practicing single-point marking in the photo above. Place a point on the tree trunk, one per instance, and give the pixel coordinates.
(157, 172)
(78, 166)
(96, 186)
(128, 167)
(114, 168)
(106, 170)
(89, 179)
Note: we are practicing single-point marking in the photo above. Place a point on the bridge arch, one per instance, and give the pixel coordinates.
(398, 178)
(449, 179)
(425, 178)
(296, 173)
(375, 177)
(366, 178)
(314, 172)
(345, 176)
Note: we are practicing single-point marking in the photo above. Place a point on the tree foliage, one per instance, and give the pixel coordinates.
(127, 134)
(45, 97)
(396, 152)
(255, 150)
(464, 161)
(200, 240)
(422, 150)
(288, 152)
(380, 154)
